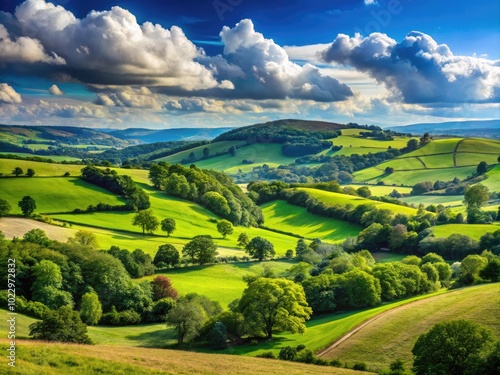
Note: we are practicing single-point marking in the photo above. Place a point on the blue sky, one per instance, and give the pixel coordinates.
(236, 62)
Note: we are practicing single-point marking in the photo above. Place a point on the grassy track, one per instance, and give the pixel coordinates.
(343, 199)
(394, 333)
(290, 218)
(58, 194)
(474, 231)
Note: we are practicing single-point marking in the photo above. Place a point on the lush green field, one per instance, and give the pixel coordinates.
(343, 199)
(439, 157)
(493, 180)
(474, 231)
(393, 334)
(41, 169)
(198, 151)
(55, 194)
(445, 200)
(410, 178)
(221, 282)
(34, 358)
(260, 153)
(380, 190)
(289, 218)
(53, 157)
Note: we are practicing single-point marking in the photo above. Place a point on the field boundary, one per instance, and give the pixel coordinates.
(455, 152)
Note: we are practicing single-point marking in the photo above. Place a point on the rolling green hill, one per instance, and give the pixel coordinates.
(392, 335)
(442, 159)
(475, 231)
(289, 218)
(55, 194)
(343, 199)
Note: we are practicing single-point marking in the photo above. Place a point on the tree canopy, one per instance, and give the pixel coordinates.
(146, 220)
(27, 205)
(201, 250)
(260, 248)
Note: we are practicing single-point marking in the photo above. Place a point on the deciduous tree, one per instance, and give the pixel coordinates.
(17, 171)
(91, 309)
(243, 240)
(260, 248)
(5, 207)
(201, 250)
(224, 227)
(187, 318)
(168, 225)
(167, 255)
(27, 205)
(146, 220)
(271, 305)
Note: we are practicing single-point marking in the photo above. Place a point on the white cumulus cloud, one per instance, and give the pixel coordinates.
(54, 90)
(418, 69)
(9, 95)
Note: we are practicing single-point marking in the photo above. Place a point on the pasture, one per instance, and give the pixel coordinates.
(55, 194)
(381, 190)
(343, 199)
(392, 335)
(475, 231)
(198, 151)
(289, 218)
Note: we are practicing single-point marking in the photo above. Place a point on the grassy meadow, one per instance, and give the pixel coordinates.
(474, 231)
(343, 199)
(394, 333)
(289, 218)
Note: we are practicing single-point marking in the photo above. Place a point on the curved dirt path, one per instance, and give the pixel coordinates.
(17, 227)
(356, 329)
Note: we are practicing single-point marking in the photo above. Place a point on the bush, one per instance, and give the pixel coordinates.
(122, 318)
(269, 355)
(360, 366)
(287, 353)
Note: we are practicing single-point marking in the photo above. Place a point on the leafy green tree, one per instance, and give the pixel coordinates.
(17, 171)
(471, 265)
(158, 175)
(30, 172)
(217, 337)
(260, 248)
(452, 347)
(320, 294)
(146, 220)
(476, 196)
(168, 225)
(412, 144)
(243, 240)
(224, 227)
(5, 207)
(397, 237)
(206, 152)
(47, 286)
(273, 305)
(37, 236)
(187, 318)
(63, 325)
(91, 309)
(27, 205)
(85, 238)
(364, 191)
(358, 289)
(216, 203)
(491, 271)
(201, 250)
(431, 272)
(444, 270)
(482, 167)
(301, 249)
(432, 258)
(167, 255)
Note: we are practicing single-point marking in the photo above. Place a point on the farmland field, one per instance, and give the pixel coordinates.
(474, 231)
(53, 157)
(41, 169)
(381, 190)
(55, 194)
(289, 218)
(445, 200)
(343, 199)
(493, 180)
(198, 151)
(394, 333)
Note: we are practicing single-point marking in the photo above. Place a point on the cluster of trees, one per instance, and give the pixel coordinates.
(123, 185)
(213, 190)
(300, 146)
(18, 171)
(233, 151)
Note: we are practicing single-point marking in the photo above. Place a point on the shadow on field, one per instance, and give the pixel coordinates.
(157, 339)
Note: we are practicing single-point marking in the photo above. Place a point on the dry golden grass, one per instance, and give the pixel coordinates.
(54, 359)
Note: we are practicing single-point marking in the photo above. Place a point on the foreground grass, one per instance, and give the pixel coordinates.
(289, 218)
(34, 358)
(393, 334)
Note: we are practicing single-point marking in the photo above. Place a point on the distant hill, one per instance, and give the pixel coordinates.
(482, 129)
(167, 135)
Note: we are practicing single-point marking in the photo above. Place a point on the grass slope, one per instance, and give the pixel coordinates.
(442, 159)
(55, 194)
(474, 231)
(34, 358)
(198, 151)
(289, 218)
(53, 157)
(445, 200)
(343, 199)
(380, 190)
(221, 282)
(394, 333)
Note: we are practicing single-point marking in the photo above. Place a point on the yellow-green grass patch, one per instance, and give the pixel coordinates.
(438, 146)
(438, 161)
(55, 194)
(289, 218)
(221, 282)
(381, 190)
(445, 200)
(480, 145)
(469, 158)
(401, 164)
(53, 157)
(392, 335)
(493, 180)
(475, 231)
(344, 199)
(41, 169)
(198, 151)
